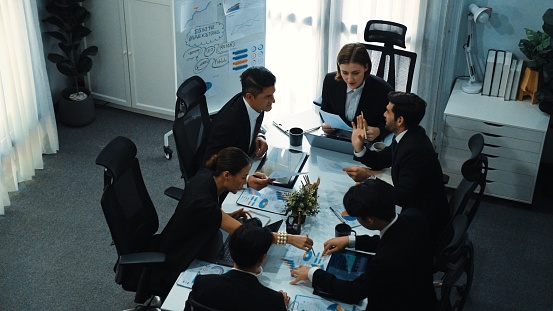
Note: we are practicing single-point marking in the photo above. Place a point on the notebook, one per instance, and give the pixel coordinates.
(219, 252)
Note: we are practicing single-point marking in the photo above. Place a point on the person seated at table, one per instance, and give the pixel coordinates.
(238, 122)
(415, 168)
(199, 216)
(240, 289)
(352, 90)
(399, 276)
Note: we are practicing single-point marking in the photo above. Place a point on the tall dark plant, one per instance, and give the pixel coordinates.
(68, 16)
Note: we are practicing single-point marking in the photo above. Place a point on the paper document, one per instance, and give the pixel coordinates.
(302, 302)
(327, 165)
(335, 121)
(266, 199)
(296, 257)
(340, 211)
(284, 174)
(197, 267)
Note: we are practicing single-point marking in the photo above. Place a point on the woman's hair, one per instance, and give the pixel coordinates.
(352, 53)
(230, 159)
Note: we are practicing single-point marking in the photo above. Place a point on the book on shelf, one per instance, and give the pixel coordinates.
(498, 68)
(505, 74)
(516, 79)
(488, 72)
(510, 77)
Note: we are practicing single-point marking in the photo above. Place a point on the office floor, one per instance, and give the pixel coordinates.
(55, 251)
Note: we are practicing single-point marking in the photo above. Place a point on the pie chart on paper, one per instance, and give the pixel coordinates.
(335, 307)
(263, 203)
(347, 217)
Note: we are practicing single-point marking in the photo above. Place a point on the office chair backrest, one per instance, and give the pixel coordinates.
(127, 206)
(395, 66)
(474, 170)
(193, 305)
(191, 125)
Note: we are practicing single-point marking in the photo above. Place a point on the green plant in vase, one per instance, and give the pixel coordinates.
(303, 201)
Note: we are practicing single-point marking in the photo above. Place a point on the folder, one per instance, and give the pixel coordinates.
(497, 69)
(505, 74)
(488, 72)
(516, 79)
(510, 77)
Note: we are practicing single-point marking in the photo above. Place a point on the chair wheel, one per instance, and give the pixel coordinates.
(168, 153)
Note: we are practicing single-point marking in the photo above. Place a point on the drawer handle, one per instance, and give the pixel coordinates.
(490, 156)
(491, 135)
(492, 146)
(493, 124)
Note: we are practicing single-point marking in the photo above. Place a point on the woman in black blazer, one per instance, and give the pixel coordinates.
(352, 91)
(199, 216)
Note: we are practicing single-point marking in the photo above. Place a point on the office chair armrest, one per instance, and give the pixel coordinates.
(174, 192)
(141, 258)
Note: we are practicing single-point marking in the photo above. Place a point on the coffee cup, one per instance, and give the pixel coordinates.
(343, 230)
(296, 136)
(378, 146)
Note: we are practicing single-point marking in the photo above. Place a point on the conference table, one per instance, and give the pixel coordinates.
(333, 185)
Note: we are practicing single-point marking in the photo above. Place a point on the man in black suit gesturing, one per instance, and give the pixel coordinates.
(416, 171)
(399, 275)
(237, 124)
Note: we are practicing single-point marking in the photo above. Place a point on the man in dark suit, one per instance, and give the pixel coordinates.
(399, 275)
(416, 171)
(352, 91)
(240, 289)
(237, 124)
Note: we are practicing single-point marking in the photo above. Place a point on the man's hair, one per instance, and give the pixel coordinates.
(409, 106)
(255, 79)
(353, 53)
(371, 198)
(249, 243)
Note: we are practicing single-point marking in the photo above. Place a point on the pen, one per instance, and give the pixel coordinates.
(364, 129)
(313, 251)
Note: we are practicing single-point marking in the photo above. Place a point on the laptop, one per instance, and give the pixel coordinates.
(339, 143)
(346, 265)
(219, 252)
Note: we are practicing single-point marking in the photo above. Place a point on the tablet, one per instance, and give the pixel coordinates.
(348, 264)
(283, 160)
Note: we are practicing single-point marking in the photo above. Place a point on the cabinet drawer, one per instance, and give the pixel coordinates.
(500, 190)
(494, 162)
(494, 129)
(515, 179)
(514, 143)
(499, 151)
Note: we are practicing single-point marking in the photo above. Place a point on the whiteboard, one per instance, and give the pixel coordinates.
(217, 40)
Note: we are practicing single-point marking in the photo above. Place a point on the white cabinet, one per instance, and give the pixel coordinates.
(514, 133)
(135, 65)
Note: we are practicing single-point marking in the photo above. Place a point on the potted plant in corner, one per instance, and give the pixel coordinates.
(538, 48)
(300, 203)
(76, 106)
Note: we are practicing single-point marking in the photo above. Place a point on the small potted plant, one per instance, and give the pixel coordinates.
(76, 106)
(302, 202)
(537, 47)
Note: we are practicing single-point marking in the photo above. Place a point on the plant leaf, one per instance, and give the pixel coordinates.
(56, 58)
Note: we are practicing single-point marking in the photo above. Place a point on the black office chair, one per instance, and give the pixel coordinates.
(474, 171)
(193, 305)
(190, 129)
(395, 66)
(454, 259)
(131, 218)
(454, 267)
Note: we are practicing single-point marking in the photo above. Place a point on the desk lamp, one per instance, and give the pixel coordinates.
(479, 15)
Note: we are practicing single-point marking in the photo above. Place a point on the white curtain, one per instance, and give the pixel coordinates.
(27, 122)
(304, 37)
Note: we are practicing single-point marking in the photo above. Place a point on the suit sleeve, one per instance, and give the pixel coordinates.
(376, 160)
(326, 105)
(222, 133)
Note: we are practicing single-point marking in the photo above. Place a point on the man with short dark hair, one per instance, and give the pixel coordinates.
(239, 289)
(416, 171)
(399, 275)
(237, 124)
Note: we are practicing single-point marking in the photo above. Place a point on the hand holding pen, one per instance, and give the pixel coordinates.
(258, 181)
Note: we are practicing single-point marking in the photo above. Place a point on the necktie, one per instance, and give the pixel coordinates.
(393, 146)
(255, 132)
